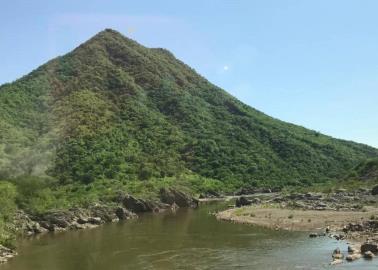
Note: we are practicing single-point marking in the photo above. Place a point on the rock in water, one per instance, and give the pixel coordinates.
(337, 254)
(123, 213)
(369, 246)
(353, 257)
(369, 255)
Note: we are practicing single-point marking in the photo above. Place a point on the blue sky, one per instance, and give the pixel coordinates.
(312, 63)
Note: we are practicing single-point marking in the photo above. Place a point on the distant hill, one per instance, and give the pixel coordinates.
(114, 109)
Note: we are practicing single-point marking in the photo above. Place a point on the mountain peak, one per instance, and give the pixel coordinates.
(118, 110)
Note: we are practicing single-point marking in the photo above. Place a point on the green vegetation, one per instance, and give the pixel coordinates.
(366, 171)
(115, 116)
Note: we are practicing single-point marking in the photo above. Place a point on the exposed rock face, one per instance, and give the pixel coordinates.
(171, 196)
(136, 205)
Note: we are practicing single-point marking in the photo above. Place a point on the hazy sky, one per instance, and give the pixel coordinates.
(313, 63)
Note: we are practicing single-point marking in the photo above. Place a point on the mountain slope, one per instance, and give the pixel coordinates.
(113, 109)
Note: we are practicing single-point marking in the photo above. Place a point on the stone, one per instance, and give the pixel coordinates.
(353, 257)
(123, 213)
(353, 250)
(170, 196)
(336, 261)
(95, 220)
(136, 205)
(337, 254)
(242, 201)
(369, 255)
(313, 235)
(369, 246)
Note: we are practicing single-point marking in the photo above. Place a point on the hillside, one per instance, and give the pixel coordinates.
(113, 109)
(365, 171)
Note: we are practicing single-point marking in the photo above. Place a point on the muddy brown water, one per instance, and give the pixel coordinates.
(187, 239)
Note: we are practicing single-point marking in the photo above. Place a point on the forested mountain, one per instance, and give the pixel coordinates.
(115, 110)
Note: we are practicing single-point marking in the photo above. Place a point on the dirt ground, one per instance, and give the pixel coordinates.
(295, 220)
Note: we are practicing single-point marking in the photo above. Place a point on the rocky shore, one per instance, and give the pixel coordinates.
(342, 215)
(124, 207)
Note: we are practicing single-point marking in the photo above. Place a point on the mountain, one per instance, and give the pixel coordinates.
(114, 109)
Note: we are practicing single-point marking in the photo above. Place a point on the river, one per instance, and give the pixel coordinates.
(187, 239)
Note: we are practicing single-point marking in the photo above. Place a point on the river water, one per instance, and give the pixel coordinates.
(187, 239)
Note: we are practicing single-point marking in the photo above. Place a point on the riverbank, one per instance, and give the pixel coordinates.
(351, 216)
(294, 219)
(124, 207)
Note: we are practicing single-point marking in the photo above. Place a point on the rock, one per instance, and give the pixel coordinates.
(313, 235)
(242, 201)
(352, 250)
(337, 254)
(56, 220)
(82, 220)
(369, 255)
(106, 213)
(353, 257)
(338, 236)
(374, 191)
(95, 220)
(123, 213)
(6, 254)
(336, 261)
(136, 205)
(328, 229)
(37, 228)
(369, 246)
(170, 196)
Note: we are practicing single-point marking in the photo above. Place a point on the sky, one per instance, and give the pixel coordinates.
(312, 63)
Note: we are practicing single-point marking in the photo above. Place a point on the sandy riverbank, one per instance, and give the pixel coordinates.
(295, 220)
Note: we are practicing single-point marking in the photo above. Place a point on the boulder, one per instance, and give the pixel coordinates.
(313, 235)
(353, 250)
(136, 205)
(106, 213)
(369, 255)
(170, 196)
(95, 220)
(353, 257)
(56, 220)
(123, 213)
(337, 254)
(242, 201)
(369, 246)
